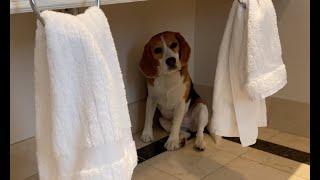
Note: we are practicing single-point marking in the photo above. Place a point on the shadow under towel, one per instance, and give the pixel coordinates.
(249, 69)
(83, 128)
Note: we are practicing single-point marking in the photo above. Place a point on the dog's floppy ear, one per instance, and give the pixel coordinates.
(185, 50)
(148, 65)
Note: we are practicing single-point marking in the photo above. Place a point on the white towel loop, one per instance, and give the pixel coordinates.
(37, 11)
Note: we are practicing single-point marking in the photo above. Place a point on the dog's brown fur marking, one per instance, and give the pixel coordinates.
(186, 80)
(149, 63)
(185, 50)
(150, 60)
(150, 81)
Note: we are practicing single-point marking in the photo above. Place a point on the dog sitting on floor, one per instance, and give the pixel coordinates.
(165, 65)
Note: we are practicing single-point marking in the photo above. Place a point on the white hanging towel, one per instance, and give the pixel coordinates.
(83, 128)
(249, 69)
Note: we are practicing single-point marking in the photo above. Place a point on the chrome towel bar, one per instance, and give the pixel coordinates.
(37, 11)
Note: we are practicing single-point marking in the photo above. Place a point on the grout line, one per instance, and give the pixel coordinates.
(214, 171)
(165, 172)
(21, 141)
(263, 164)
(160, 142)
(237, 157)
(223, 166)
(31, 176)
(276, 149)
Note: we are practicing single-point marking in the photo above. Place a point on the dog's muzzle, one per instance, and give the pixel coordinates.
(171, 62)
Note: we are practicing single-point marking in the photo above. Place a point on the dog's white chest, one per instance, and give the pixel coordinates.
(168, 91)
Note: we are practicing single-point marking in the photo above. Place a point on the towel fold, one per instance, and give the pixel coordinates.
(249, 69)
(83, 128)
(266, 73)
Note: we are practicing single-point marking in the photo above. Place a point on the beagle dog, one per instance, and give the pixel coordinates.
(165, 65)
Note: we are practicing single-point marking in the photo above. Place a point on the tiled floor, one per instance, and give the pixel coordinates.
(293, 141)
(158, 133)
(226, 161)
(24, 164)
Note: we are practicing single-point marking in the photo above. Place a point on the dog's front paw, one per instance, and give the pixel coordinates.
(200, 144)
(172, 144)
(146, 136)
(217, 139)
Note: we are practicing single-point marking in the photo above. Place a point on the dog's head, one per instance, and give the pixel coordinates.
(165, 53)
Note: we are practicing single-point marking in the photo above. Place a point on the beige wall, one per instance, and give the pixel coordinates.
(288, 109)
(211, 17)
(294, 29)
(202, 22)
(21, 77)
(293, 22)
(132, 25)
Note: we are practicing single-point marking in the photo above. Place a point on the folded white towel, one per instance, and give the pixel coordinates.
(266, 73)
(249, 69)
(82, 119)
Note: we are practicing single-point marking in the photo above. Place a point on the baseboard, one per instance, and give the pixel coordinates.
(289, 116)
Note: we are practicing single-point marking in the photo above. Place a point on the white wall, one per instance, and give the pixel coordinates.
(132, 25)
(293, 22)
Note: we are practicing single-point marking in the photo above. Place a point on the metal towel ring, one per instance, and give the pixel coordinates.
(37, 11)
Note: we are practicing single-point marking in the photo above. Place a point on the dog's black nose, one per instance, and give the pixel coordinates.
(171, 62)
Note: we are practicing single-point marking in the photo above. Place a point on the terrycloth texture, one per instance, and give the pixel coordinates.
(266, 73)
(82, 119)
(249, 69)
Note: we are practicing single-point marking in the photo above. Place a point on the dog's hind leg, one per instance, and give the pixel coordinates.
(200, 115)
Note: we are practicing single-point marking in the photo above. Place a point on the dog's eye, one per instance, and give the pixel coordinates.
(173, 45)
(158, 50)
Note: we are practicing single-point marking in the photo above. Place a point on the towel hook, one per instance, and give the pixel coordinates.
(36, 10)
